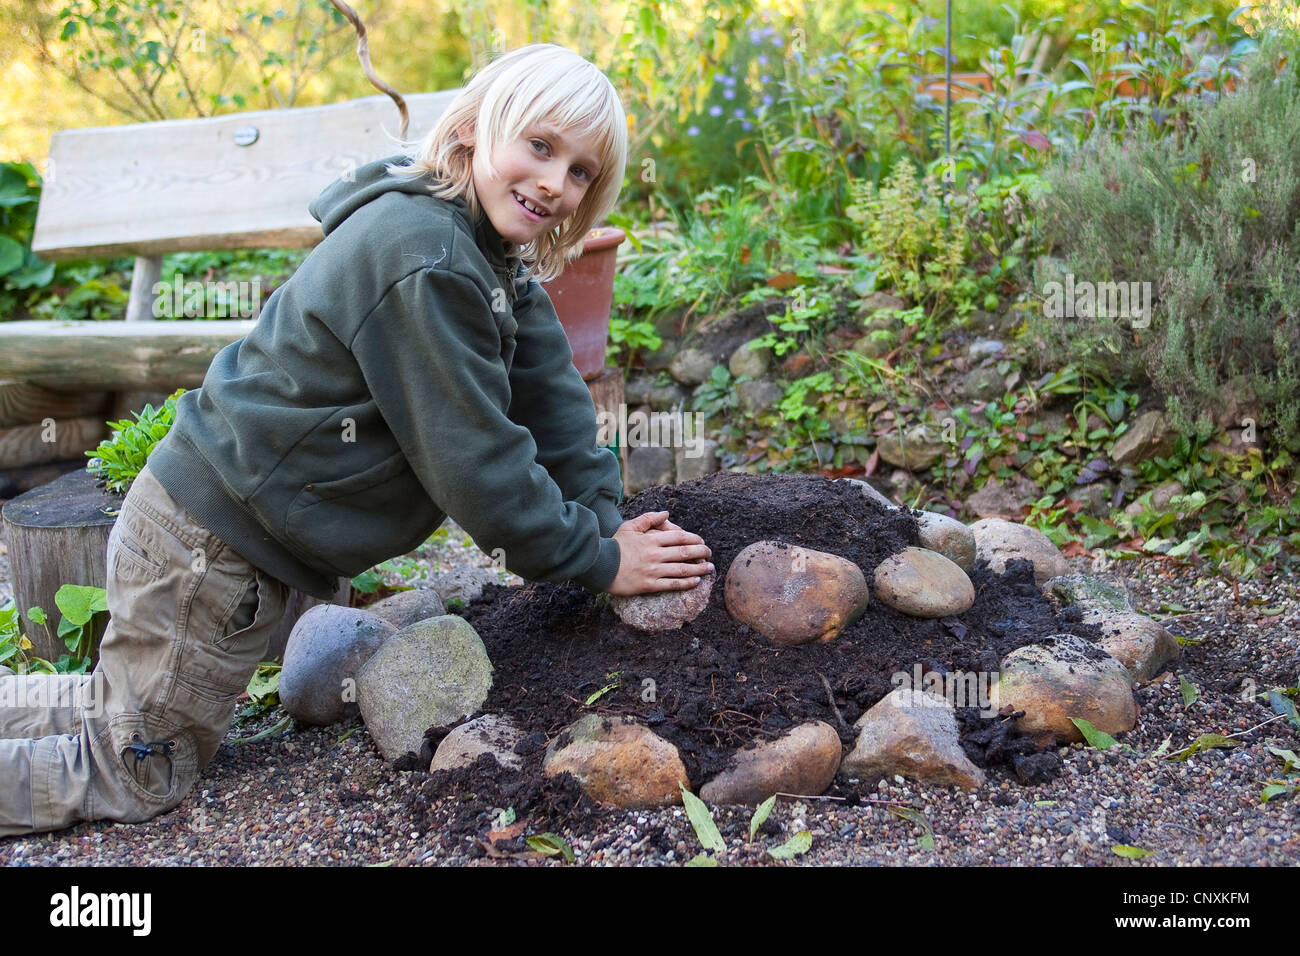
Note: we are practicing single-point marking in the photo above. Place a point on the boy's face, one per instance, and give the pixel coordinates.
(545, 168)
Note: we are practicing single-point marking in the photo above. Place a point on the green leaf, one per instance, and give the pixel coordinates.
(1271, 791)
(702, 820)
(1190, 694)
(37, 616)
(1283, 705)
(504, 818)
(1097, 738)
(550, 844)
(1130, 852)
(1203, 742)
(12, 255)
(760, 816)
(368, 582)
(702, 859)
(80, 603)
(926, 839)
(797, 844)
(264, 683)
(599, 694)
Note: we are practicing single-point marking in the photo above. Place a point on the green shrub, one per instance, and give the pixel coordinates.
(119, 459)
(1210, 220)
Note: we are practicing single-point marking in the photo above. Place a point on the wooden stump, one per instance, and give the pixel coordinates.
(57, 534)
(607, 395)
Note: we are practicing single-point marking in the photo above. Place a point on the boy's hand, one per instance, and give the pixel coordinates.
(656, 555)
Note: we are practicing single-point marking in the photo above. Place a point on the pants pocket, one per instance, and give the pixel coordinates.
(154, 760)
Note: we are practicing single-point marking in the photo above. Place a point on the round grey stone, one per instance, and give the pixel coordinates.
(326, 650)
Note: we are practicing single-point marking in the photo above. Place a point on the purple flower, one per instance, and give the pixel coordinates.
(715, 110)
(755, 36)
(765, 79)
(762, 61)
(767, 100)
(728, 94)
(739, 114)
(747, 125)
(693, 131)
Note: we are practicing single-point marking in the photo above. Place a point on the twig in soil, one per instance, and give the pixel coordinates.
(830, 699)
(1256, 727)
(805, 796)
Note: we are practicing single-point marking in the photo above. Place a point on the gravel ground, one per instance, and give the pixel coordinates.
(325, 796)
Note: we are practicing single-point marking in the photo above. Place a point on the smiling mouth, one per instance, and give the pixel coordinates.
(530, 206)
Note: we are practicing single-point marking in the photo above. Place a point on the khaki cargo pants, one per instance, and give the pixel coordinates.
(191, 619)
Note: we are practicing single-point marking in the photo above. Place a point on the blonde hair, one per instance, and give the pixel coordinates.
(540, 83)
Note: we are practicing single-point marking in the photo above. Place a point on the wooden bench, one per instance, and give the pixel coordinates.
(228, 182)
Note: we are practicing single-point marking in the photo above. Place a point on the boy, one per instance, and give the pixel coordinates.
(412, 368)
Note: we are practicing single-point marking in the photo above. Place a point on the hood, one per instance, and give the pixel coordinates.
(346, 195)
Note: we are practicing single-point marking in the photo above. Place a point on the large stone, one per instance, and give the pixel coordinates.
(1148, 437)
(408, 607)
(1063, 677)
(869, 491)
(618, 762)
(949, 537)
(750, 362)
(913, 734)
(875, 344)
(636, 391)
(802, 762)
(326, 650)
(869, 304)
(915, 448)
(1133, 639)
(852, 419)
(923, 583)
(983, 384)
(691, 366)
(462, 584)
(996, 500)
(982, 349)
(490, 734)
(998, 541)
(663, 610)
(696, 460)
(756, 397)
(1095, 497)
(648, 466)
(664, 398)
(1161, 496)
(793, 595)
(1088, 591)
(431, 674)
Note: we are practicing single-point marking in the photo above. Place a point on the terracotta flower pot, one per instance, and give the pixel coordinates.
(582, 296)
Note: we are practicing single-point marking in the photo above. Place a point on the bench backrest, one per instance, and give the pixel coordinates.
(187, 185)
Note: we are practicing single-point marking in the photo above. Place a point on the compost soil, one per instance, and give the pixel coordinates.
(714, 686)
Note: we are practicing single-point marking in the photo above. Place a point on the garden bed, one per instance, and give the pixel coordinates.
(715, 686)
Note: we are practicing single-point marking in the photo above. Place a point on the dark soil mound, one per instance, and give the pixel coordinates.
(715, 686)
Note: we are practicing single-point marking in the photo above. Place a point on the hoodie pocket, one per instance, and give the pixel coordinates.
(350, 524)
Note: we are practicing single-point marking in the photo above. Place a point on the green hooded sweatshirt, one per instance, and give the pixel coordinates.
(404, 373)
